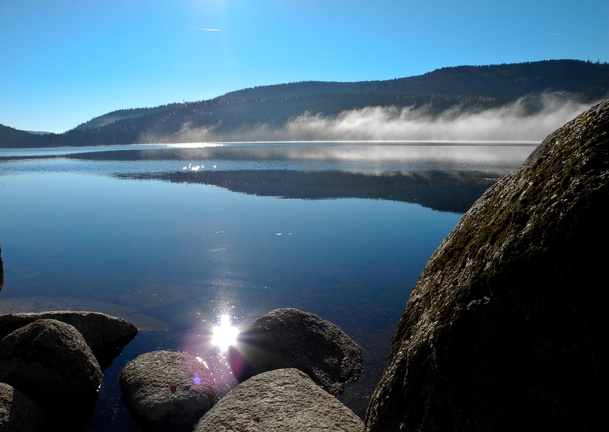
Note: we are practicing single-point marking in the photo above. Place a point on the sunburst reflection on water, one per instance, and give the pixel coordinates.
(225, 334)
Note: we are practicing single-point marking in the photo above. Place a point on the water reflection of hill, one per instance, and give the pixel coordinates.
(448, 191)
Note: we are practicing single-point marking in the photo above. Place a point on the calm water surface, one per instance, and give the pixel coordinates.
(171, 237)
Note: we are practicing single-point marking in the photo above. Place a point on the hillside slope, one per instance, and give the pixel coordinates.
(241, 114)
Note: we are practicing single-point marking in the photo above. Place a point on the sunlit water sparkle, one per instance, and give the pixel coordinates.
(224, 334)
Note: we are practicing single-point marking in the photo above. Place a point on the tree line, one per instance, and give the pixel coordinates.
(468, 87)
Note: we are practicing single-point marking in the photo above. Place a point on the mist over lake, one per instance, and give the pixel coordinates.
(170, 237)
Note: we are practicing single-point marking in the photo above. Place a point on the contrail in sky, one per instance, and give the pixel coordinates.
(209, 29)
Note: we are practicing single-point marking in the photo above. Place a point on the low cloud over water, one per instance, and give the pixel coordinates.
(508, 123)
(530, 118)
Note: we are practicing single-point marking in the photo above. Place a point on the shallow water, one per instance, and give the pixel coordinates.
(171, 237)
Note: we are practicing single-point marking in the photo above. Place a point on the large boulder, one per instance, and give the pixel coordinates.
(290, 338)
(106, 335)
(505, 328)
(1, 270)
(50, 361)
(19, 413)
(168, 391)
(282, 400)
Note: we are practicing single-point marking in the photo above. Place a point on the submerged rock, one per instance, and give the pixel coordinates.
(505, 328)
(290, 338)
(282, 400)
(168, 391)
(50, 361)
(19, 413)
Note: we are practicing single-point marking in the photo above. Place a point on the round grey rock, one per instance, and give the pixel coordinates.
(291, 338)
(19, 413)
(106, 335)
(282, 400)
(168, 390)
(50, 361)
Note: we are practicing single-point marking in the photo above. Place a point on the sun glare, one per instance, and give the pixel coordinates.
(225, 334)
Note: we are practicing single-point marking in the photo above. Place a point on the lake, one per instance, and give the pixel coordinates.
(171, 237)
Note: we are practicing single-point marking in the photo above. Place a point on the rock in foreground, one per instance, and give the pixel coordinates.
(168, 391)
(106, 335)
(1, 270)
(282, 400)
(290, 338)
(50, 361)
(506, 328)
(19, 413)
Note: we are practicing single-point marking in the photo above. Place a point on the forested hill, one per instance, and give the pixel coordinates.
(503, 81)
(468, 87)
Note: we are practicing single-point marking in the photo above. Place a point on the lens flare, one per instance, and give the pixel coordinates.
(225, 334)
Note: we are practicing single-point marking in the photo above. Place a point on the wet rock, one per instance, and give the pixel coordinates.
(168, 391)
(106, 335)
(282, 400)
(290, 338)
(19, 413)
(50, 361)
(505, 328)
(1, 269)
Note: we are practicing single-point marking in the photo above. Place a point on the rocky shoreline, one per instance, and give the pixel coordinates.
(54, 361)
(51, 367)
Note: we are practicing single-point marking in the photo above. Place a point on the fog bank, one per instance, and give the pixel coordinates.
(512, 122)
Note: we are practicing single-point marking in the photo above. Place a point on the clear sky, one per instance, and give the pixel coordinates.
(63, 62)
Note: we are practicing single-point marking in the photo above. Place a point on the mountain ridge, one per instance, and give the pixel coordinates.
(427, 82)
(471, 88)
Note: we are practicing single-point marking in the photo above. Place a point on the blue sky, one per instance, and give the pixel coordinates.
(65, 62)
